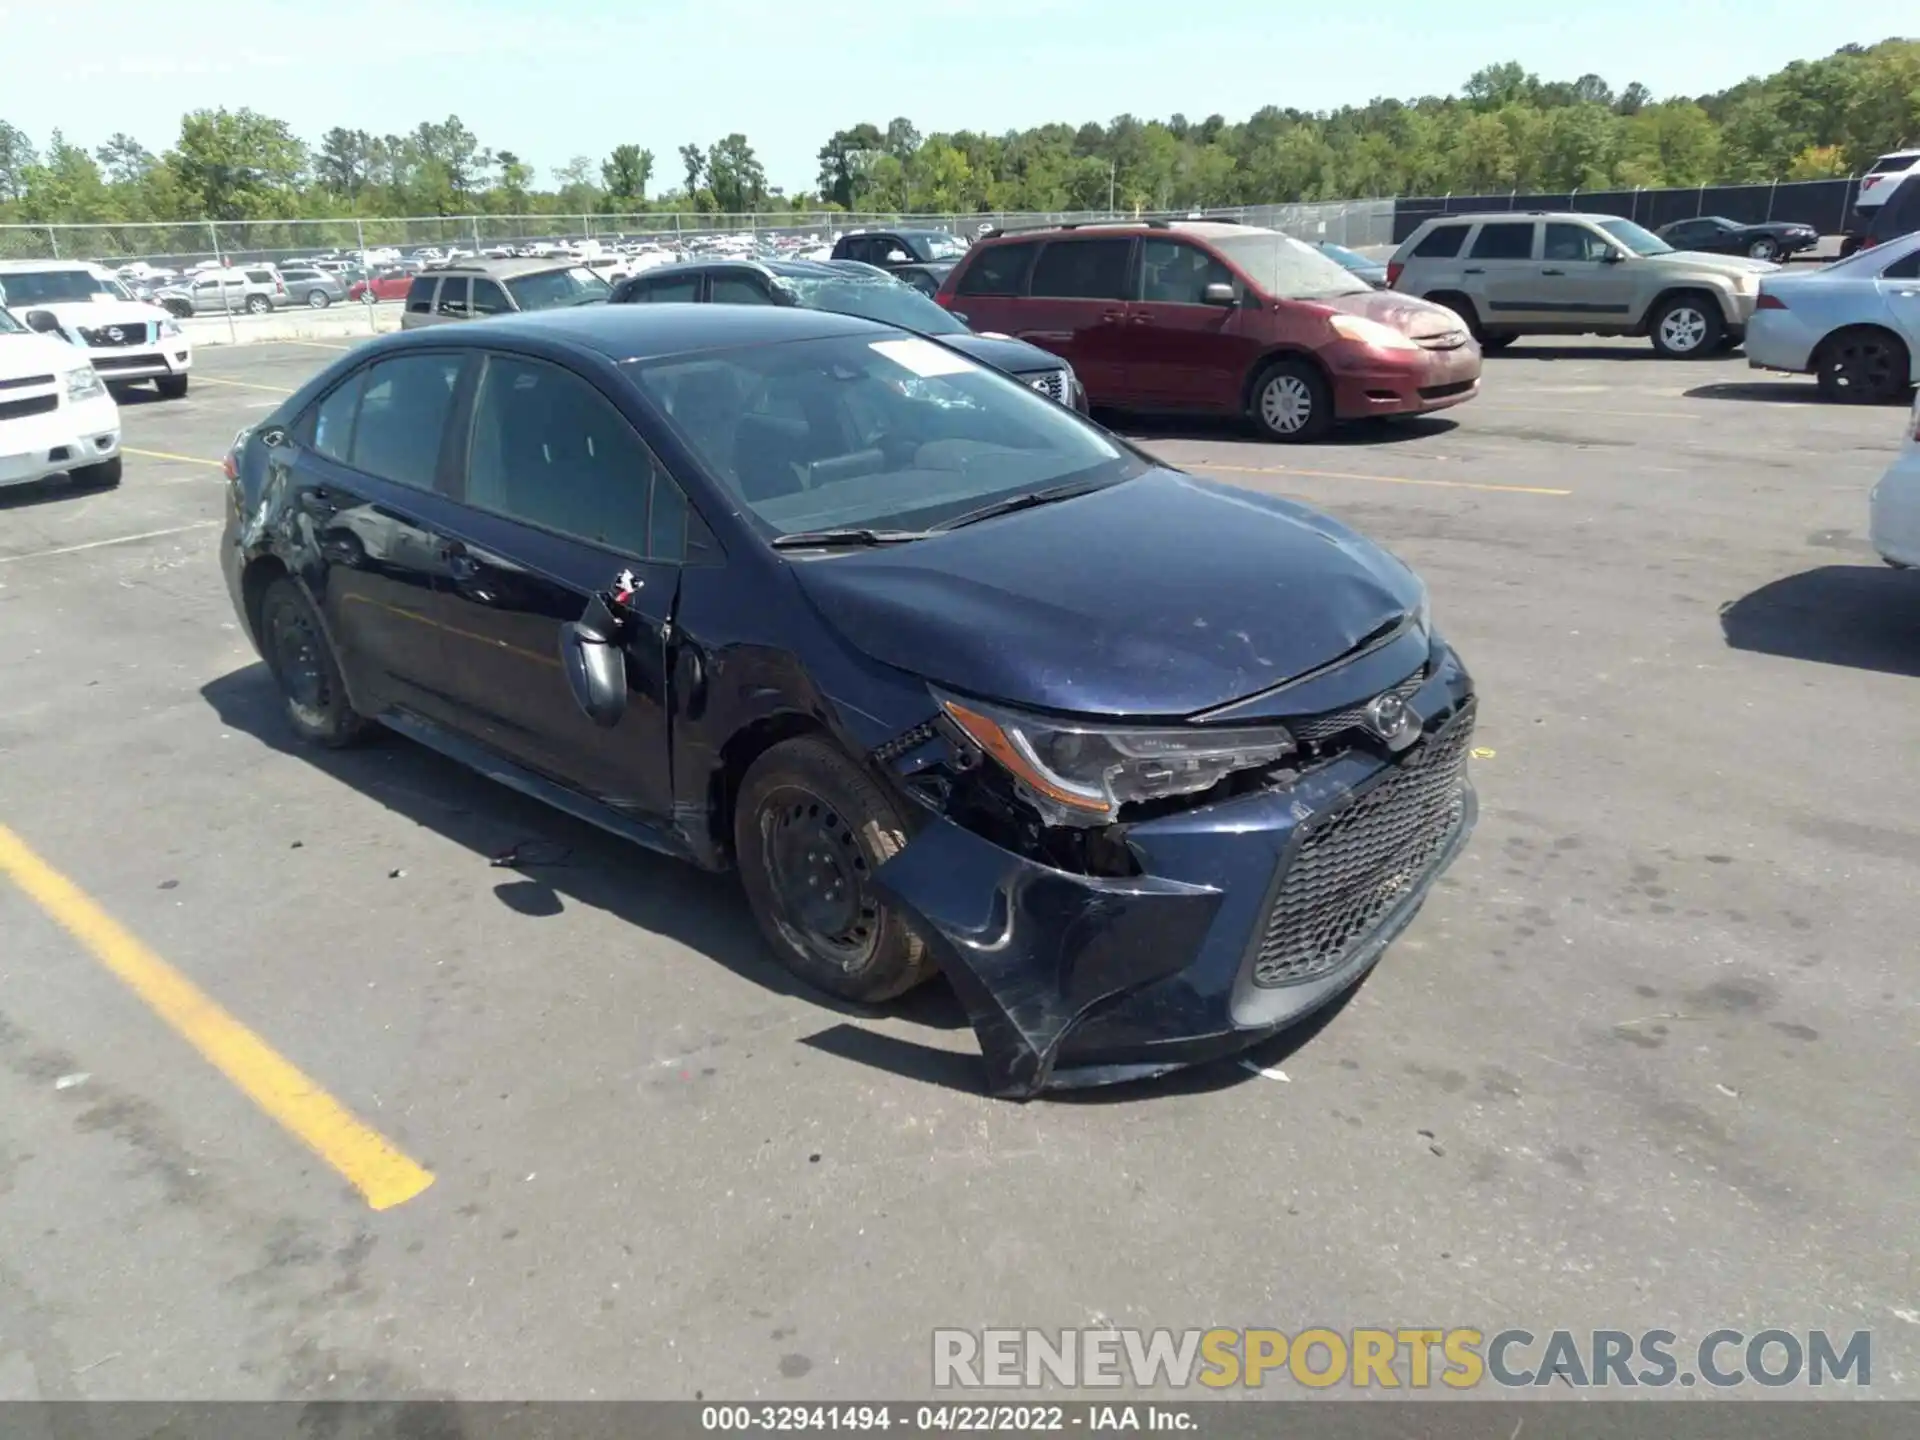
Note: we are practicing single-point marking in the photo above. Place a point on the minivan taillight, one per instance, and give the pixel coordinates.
(1394, 267)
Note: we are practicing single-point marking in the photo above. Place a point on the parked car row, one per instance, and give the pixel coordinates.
(127, 340)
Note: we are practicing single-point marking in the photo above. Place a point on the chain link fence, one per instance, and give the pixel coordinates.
(185, 244)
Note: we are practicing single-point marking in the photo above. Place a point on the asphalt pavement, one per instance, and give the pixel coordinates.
(1647, 1058)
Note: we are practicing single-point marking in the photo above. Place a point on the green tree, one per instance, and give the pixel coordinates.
(125, 160)
(17, 157)
(237, 164)
(735, 175)
(693, 160)
(577, 194)
(625, 174)
(843, 161)
(343, 163)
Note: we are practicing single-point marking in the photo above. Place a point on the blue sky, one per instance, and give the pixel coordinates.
(554, 80)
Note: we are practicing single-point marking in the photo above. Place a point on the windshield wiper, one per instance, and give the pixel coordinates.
(833, 539)
(1027, 501)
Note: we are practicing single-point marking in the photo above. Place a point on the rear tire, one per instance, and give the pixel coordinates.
(1687, 327)
(258, 305)
(297, 652)
(809, 829)
(104, 476)
(171, 387)
(1292, 402)
(1861, 366)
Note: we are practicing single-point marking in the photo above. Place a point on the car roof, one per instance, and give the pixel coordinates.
(653, 332)
(852, 270)
(505, 269)
(1468, 217)
(20, 267)
(1204, 229)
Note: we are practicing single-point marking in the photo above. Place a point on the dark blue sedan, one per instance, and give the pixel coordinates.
(1146, 766)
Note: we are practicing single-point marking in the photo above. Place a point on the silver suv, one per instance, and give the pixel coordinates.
(1509, 275)
(477, 288)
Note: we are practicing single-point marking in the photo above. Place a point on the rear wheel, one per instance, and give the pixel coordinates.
(1292, 401)
(1861, 366)
(1688, 327)
(809, 830)
(258, 305)
(319, 299)
(171, 387)
(297, 652)
(104, 476)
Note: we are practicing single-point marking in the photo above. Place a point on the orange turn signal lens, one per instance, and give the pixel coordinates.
(988, 735)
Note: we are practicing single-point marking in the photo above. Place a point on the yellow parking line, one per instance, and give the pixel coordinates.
(1382, 479)
(368, 1162)
(169, 455)
(205, 379)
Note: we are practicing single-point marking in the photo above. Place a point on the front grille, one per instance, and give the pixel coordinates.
(1050, 383)
(103, 336)
(1317, 730)
(24, 381)
(19, 409)
(1355, 865)
(123, 362)
(1440, 392)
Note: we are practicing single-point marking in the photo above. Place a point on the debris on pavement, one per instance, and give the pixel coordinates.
(532, 854)
(68, 1082)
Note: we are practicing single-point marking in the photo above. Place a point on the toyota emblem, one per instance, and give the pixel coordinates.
(115, 334)
(1390, 719)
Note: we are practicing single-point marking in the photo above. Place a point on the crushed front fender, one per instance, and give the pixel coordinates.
(1029, 949)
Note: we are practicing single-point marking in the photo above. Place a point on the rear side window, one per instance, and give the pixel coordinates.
(1441, 243)
(997, 270)
(420, 294)
(300, 274)
(403, 412)
(1893, 164)
(551, 450)
(1905, 268)
(1504, 240)
(333, 419)
(260, 277)
(453, 297)
(1082, 270)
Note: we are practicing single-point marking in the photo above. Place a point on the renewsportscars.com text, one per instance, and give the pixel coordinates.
(1394, 1359)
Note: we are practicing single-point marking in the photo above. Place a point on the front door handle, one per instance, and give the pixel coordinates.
(1474, 270)
(1112, 317)
(1553, 272)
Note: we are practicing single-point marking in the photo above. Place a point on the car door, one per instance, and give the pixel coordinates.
(1899, 287)
(1077, 300)
(560, 494)
(1503, 277)
(369, 465)
(1578, 279)
(206, 297)
(1178, 349)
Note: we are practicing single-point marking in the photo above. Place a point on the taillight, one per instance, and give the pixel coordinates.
(1769, 301)
(232, 470)
(1394, 267)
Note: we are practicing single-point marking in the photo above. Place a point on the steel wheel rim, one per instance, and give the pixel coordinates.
(819, 878)
(1286, 404)
(1683, 328)
(1862, 366)
(295, 647)
(1761, 250)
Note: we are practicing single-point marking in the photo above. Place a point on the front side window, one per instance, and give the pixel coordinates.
(870, 297)
(941, 247)
(1503, 240)
(729, 289)
(488, 298)
(668, 290)
(550, 450)
(1082, 269)
(898, 433)
(1573, 242)
(998, 270)
(552, 289)
(1288, 269)
(1175, 273)
(403, 411)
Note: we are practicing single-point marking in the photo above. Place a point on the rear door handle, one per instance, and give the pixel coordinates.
(1112, 317)
(1553, 272)
(1473, 270)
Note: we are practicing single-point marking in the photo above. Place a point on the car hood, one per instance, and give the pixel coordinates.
(1408, 314)
(1161, 596)
(1698, 261)
(1016, 357)
(36, 354)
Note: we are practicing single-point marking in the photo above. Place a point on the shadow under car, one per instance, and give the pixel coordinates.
(1866, 617)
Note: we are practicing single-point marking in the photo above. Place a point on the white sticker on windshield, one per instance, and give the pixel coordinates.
(922, 357)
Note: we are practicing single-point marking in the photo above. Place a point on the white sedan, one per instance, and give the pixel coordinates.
(55, 413)
(1894, 522)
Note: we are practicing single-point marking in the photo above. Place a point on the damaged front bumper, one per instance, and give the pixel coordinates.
(1247, 914)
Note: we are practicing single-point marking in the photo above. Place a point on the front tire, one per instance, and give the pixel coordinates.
(171, 387)
(810, 828)
(1292, 402)
(1765, 248)
(104, 476)
(297, 652)
(1688, 327)
(1861, 366)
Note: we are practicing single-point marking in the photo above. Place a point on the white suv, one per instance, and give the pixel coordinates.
(87, 306)
(55, 414)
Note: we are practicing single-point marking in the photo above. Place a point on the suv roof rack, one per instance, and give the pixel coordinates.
(1146, 222)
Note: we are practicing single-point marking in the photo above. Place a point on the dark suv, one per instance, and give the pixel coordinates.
(848, 287)
(1146, 766)
(1218, 318)
(921, 258)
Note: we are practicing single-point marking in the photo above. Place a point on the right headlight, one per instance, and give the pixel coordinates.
(1081, 773)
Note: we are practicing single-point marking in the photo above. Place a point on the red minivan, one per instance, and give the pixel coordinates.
(1209, 316)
